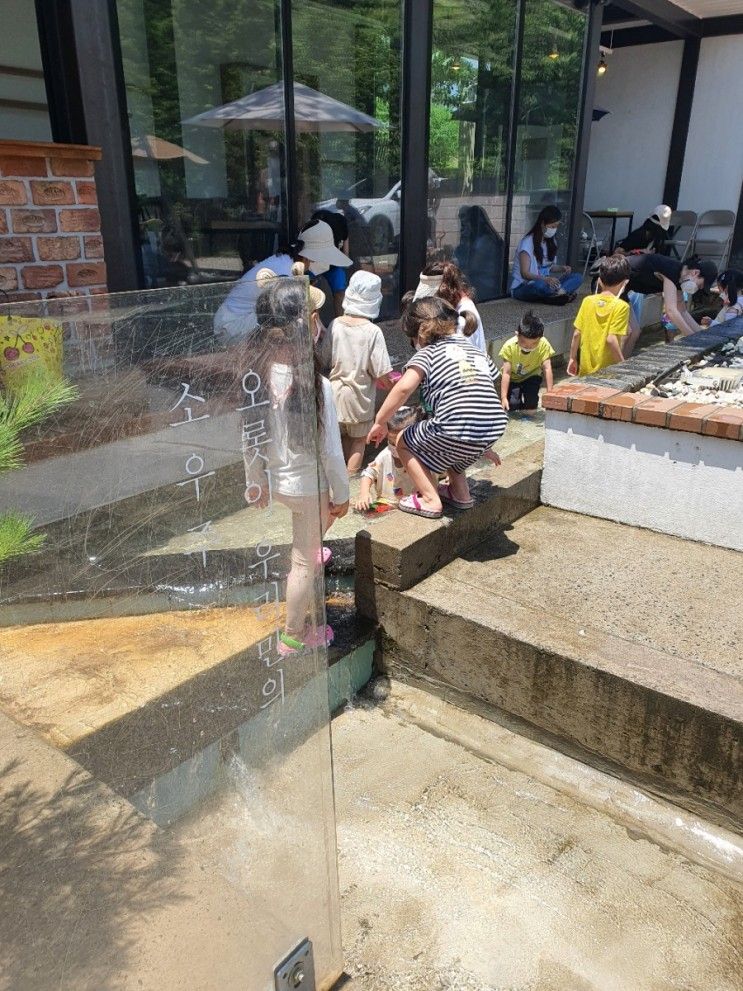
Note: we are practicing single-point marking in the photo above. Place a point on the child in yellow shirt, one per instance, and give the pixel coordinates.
(602, 320)
(527, 363)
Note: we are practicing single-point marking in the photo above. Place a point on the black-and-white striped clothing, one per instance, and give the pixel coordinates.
(466, 414)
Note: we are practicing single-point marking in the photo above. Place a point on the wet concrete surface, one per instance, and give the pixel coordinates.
(464, 873)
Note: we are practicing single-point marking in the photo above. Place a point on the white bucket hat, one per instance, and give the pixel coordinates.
(318, 244)
(363, 296)
(662, 214)
(428, 285)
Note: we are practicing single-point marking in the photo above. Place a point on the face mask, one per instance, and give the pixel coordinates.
(318, 268)
(550, 231)
(689, 286)
(525, 350)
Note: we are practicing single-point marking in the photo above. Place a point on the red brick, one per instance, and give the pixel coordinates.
(654, 412)
(52, 192)
(42, 276)
(16, 249)
(93, 247)
(690, 416)
(8, 279)
(13, 192)
(21, 297)
(86, 193)
(33, 221)
(58, 249)
(589, 401)
(3, 221)
(86, 273)
(558, 397)
(620, 407)
(727, 422)
(84, 219)
(11, 165)
(72, 167)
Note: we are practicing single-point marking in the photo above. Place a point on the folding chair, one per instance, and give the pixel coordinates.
(680, 233)
(589, 241)
(713, 236)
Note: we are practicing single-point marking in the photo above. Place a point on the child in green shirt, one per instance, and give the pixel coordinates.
(527, 363)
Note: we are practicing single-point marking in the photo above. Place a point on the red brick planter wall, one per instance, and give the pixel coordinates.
(50, 228)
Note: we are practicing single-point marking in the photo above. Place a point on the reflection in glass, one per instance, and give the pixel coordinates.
(208, 177)
(24, 114)
(165, 789)
(472, 76)
(547, 115)
(351, 54)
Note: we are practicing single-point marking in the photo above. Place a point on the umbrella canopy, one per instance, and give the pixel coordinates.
(599, 112)
(264, 110)
(148, 146)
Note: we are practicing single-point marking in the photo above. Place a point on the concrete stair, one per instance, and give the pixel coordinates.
(617, 645)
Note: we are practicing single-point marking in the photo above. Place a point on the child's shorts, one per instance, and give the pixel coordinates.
(525, 394)
(355, 430)
(440, 453)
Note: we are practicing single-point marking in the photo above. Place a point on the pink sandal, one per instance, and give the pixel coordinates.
(324, 557)
(412, 504)
(448, 500)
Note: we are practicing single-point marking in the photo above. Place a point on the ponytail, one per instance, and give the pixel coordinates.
(470, 323)
(431, 319)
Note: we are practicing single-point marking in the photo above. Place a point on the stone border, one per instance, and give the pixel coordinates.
(614, 395)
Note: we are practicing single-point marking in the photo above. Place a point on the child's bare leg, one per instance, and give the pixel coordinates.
(346, 443)
(355, 455)
(628, 345)
(421, 478)
(459, 486)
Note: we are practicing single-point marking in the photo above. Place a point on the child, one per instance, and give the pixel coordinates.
(446, 280)
(385, 476)
(527, 362)
(287, 467)
(730, 286)
(457, 383)
(356, 354)
(602, 319)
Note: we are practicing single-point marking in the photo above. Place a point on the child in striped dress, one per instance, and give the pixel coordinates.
(458, 385)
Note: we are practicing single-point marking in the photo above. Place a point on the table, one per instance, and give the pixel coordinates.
(614, 216)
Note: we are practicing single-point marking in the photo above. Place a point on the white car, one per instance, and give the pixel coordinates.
(382, 214)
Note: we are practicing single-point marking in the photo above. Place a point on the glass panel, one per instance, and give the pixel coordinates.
(206, 112)
(24, 114)
(348, 146)
(547, 116)
(166, 808)
(472, 76)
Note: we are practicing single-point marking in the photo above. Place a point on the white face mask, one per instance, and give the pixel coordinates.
(318, 268)
(689, 286)
(550, 231)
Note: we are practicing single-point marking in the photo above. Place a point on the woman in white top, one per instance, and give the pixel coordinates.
(447, 281)
(535, 277)
(314, 248)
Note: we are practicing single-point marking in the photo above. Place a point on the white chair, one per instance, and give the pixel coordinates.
(680, 233)
(590, 243)
(713, 236)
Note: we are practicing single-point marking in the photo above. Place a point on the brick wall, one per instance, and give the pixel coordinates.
(50, 228)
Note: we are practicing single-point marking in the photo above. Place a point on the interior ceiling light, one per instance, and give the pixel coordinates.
(602, 67)
(554, 54)
(456, 65)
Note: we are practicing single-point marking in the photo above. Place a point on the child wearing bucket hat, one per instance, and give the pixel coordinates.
(354, 351)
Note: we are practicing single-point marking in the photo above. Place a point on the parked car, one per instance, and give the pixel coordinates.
(382, 213)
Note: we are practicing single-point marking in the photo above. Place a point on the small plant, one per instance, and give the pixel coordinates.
(38, 398)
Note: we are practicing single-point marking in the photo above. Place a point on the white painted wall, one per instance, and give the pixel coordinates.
(629, 147)
(713, 164)
(679, 483)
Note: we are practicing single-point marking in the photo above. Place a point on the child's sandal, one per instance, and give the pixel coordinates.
(412, 504)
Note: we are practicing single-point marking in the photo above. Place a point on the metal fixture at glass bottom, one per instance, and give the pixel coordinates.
(297, 970)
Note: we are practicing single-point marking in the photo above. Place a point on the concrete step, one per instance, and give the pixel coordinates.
(622, 645)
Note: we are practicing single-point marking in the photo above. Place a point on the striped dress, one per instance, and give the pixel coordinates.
(466, 415)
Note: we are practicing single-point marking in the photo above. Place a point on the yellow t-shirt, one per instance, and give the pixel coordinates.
(599, 316)
(525, 364)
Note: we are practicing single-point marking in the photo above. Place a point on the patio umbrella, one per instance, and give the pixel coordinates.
(148, 146)
(264, 110)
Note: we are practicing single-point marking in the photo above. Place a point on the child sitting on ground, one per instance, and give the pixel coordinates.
(457, 383)
(384, 480)
(602, 319)
(354, 350)
(527, 362)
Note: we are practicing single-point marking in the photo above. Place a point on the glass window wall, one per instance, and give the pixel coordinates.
(549, 99)
(471, 80)
(206, 115)
(24, 114)
(348, 157)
